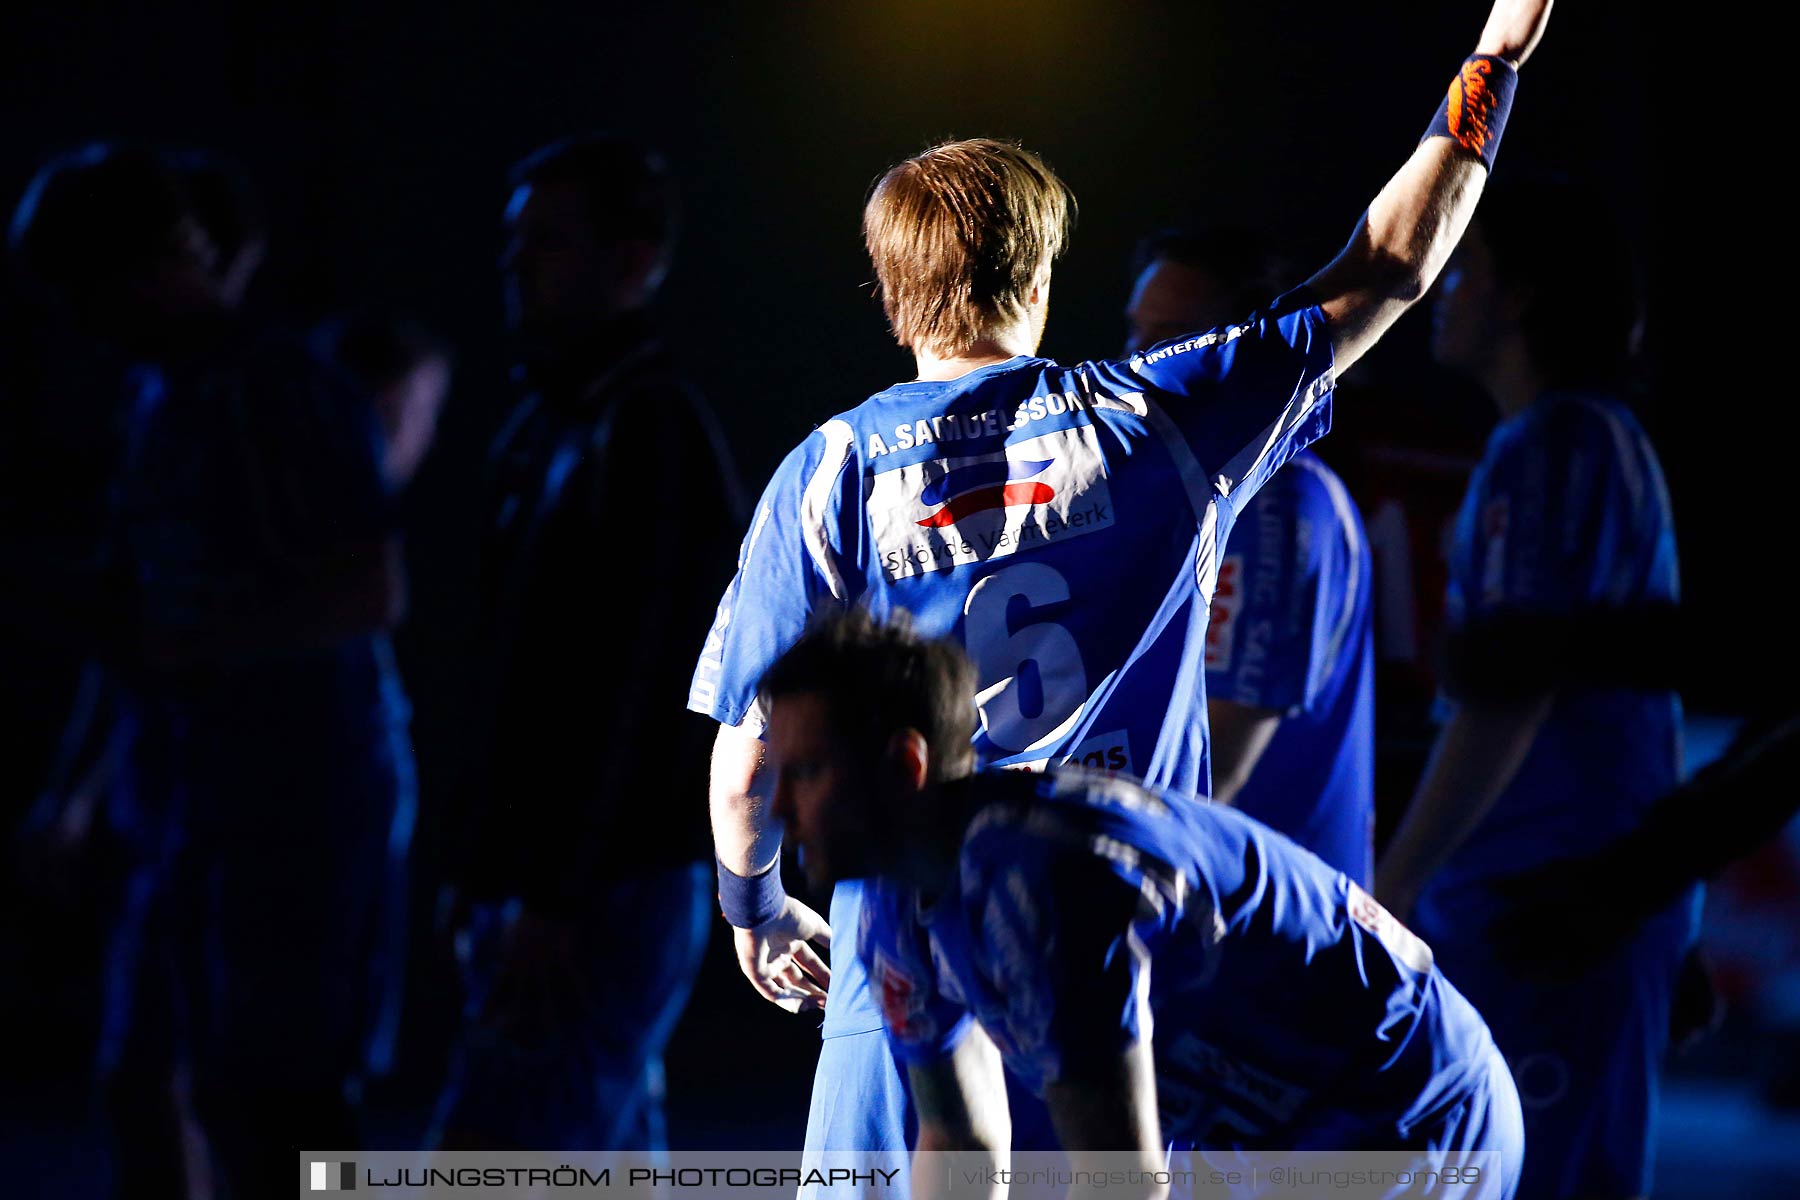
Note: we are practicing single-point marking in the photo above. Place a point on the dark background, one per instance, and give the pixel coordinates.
(380, 136)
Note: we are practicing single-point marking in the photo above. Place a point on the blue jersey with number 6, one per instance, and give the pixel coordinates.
(1063, 523)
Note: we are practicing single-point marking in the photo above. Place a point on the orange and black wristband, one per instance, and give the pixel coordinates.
(1473, 114)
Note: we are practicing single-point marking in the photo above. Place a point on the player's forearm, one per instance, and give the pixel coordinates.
(961, 1104)
(1399, 247)
(1416, 220)
(1747, 796)
(746, 834)
(1474, 762)
(1102, 1115)
(979, 1159)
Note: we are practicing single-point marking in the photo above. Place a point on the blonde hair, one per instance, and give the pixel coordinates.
(958, 235)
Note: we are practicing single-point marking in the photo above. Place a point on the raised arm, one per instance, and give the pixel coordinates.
(1406, 236)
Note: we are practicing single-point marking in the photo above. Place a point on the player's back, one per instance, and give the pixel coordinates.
(1568, 519)
(1061, 546)
(1283, 998)
(1063, 523)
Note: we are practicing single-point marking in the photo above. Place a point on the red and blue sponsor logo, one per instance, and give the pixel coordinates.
(965, 491)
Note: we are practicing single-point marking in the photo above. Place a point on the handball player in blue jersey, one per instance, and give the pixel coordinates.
(1063, 523)
(1560, 735)
(1166, 974)
(1290, 650)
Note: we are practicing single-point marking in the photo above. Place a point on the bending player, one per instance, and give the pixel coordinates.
(1067, 915)
(1001, 497)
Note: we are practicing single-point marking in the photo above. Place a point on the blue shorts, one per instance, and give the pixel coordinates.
(861, 1110)
(1586, 1055)
(861, 1105)
(264, 937)
(594, 1082)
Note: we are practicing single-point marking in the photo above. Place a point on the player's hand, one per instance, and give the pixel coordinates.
(779, 962)
(1513, 29)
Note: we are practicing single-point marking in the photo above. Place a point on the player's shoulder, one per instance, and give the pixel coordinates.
(829, 446)
(1319, 494)
(1561, 421)
(1566, 435)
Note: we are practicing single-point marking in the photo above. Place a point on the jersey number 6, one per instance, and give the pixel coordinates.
(1031, 678)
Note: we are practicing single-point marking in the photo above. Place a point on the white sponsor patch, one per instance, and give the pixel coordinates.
(942, 513)
(1109, 752)
(1406, 946)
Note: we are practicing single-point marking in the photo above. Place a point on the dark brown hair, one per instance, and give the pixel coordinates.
(878, 678)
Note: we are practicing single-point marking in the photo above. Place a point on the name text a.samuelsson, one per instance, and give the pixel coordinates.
(944, 553)
(953, 427)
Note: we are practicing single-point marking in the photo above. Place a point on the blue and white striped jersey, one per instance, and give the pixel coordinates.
(1567, 515)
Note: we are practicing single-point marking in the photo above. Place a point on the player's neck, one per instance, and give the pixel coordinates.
(998, 348)
(929, 845)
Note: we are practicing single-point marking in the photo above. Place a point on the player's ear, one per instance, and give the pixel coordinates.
(909, 758)
(1040, 287)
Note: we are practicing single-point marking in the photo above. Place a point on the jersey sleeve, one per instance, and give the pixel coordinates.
(1268, 641)
(922, 1026)
(1061, 940)
(792, 563)
(1246, 397)
(1547, 528)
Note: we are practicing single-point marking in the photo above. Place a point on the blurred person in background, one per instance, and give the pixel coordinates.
(1565, 541)
(612, 508)
(94, 238)
(266, 763)
(405, 372)
(97, 246)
